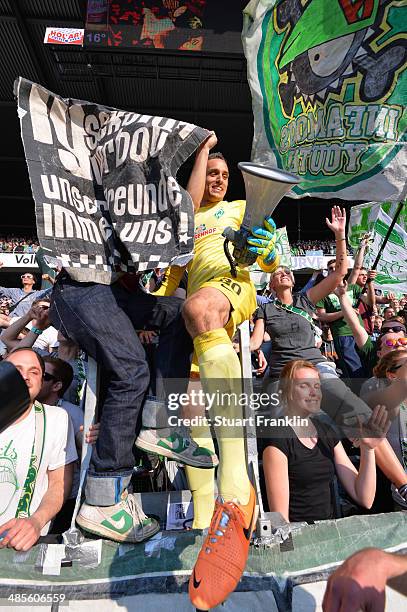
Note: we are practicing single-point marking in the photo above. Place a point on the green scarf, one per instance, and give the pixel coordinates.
(298, 311)
(23, 508)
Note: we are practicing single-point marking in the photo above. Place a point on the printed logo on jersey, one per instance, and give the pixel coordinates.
(219, 213)
(201, 231)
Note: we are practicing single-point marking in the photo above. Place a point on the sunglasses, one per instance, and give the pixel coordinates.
(395, 329)
(48, 377)
(27, 276)
(396, 341)
(282, 271)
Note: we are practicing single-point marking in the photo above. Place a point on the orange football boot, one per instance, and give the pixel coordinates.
(224, 553)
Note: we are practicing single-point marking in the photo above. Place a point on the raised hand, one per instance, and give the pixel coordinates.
(377, 426)
(211, 141)
(341, 289)
(40, 317)
(337, 224)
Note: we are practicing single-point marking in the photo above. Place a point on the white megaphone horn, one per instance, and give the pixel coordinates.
(265, 187)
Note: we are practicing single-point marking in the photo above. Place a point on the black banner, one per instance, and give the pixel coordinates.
(104, 184)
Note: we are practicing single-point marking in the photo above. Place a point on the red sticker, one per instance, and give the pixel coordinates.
(357, 10)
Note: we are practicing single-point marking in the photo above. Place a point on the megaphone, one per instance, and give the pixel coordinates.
(265, 186)
(14, 396)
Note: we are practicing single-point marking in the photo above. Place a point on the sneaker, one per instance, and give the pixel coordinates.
(224, 553)
(123, 522)
(177, 445)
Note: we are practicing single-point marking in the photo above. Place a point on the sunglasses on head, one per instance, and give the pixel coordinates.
(48, 377)
(396, 341)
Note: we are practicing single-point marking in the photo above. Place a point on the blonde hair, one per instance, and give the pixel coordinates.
(287, 376)
(282, 268)
(387, 362)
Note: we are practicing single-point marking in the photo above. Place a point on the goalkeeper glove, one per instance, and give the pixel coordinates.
(262, 241)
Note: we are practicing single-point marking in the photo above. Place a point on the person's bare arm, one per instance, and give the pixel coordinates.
(391, 396)
(67, 349)
(4, 320)
(49, 278)
(197, 179)
(370, 299)
(359, 583)
(23, 533)
(328, 317)
(359, 333)
(337, 225)
(275, 466)
(256, 339)
(40, 320)
(382, 299)
(10, 335)
(358, 262)
(361, 486)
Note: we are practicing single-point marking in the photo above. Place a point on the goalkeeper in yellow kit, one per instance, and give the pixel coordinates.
(216, 303)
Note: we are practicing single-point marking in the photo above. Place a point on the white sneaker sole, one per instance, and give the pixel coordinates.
(149, 447)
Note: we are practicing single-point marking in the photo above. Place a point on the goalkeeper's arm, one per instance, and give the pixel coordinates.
(172, 279)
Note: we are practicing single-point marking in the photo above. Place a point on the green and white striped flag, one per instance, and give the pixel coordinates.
(364, 216)
(392, 265)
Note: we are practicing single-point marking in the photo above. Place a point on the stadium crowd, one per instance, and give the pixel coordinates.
(334, 353)
(18, 244)
(303, 247)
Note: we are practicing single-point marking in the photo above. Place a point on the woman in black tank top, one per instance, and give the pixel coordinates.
(301, 458)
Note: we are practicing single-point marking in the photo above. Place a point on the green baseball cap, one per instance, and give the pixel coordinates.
(324, 20)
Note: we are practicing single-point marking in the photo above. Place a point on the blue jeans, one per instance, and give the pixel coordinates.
(349, 359)
(102, 319)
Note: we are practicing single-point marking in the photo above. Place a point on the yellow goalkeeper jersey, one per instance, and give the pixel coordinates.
(209, 258)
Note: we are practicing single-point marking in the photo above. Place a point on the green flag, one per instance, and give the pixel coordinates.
(328, 84)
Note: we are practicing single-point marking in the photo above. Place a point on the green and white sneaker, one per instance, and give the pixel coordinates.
(177, 445)
(123, 522)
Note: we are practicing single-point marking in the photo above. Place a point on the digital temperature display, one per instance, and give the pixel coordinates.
(183, 25)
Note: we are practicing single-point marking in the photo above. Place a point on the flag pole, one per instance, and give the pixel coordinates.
(386, 238)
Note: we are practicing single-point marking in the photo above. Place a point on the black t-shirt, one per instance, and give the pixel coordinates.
(310, 472)
(291, 334)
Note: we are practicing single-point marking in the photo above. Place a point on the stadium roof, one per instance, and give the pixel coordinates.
(211, 91)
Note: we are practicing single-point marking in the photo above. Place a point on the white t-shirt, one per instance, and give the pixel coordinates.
(46, 340)
(76, 415)
(16, 444)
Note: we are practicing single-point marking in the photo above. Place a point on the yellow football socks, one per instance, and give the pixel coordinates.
(202, 482)
(220, 373)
